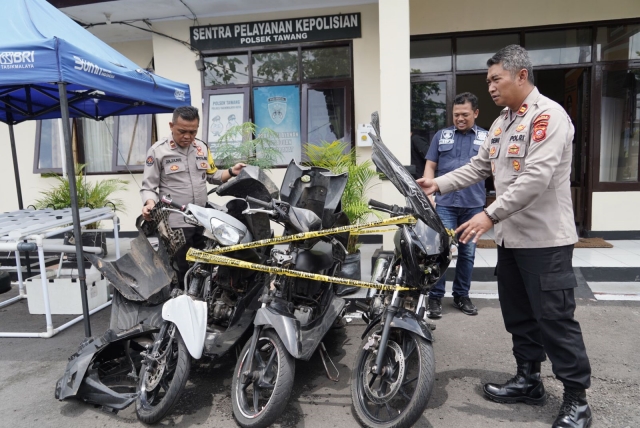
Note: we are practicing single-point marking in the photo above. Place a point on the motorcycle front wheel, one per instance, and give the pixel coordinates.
(162, 382)
(263, 396)
(397, 397)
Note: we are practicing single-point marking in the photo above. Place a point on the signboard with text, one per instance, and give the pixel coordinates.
(279, 31)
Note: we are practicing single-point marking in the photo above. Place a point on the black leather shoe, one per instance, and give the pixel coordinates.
(525, 386)
(434, 308)
(575, 411)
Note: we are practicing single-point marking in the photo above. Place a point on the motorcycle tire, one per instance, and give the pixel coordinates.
(276, 366)
(173, 378)
(372, 414)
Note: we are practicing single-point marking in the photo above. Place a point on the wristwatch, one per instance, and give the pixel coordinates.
(230, 171)
(493, 219)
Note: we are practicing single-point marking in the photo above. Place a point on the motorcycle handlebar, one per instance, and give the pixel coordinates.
(167, 200)
(377, 205)
(259, 203)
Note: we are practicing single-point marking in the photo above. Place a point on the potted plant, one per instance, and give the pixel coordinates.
(244, 143)
(337, 157)
(96, 194)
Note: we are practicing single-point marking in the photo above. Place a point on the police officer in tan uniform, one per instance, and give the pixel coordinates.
(181, 166)
(528, 152)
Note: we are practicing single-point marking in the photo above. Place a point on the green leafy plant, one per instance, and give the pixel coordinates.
(243, 143)
(90, 194)
(337, 158)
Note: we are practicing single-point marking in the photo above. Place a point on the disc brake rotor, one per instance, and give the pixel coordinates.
(376, 396)
(153, 376)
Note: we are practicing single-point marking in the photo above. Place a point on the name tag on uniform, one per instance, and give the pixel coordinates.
(445, 142)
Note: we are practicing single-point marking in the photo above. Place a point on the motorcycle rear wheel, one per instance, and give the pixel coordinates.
(163, 383)
(260, 402)
(398, 398)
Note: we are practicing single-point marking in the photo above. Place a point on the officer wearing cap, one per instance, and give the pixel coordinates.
(529, 152)
(181, 166)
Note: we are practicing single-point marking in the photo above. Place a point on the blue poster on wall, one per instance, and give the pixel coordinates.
(278, 108)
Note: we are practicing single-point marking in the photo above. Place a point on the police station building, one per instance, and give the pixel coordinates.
(315, 71)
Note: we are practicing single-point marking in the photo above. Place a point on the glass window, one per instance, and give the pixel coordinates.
(428, 56)
(620, 125)
(559, 47)
(134, 138)
(326, 63)
(50, 135)
(98, 138)
(621, 42)
(275, 67)
(428, 108)
(326, 115)
(226, 70)
(473, 52)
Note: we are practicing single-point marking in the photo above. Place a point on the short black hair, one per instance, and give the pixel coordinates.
(513, 58)
(466, 97)
(187, 113)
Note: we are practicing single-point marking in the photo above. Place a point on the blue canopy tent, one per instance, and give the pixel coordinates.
(51, 67)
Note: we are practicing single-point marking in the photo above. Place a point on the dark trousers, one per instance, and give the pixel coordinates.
(194, 238)
(535, 286)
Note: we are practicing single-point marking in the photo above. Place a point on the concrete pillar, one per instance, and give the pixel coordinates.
(395, 90)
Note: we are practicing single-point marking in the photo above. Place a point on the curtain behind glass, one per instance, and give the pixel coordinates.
(98, 137)
(134, 136)
(50, 156)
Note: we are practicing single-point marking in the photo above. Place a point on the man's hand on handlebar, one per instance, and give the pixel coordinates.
(146, 209)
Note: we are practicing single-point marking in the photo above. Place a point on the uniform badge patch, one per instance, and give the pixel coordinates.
(523, 109)
(497, 132)
(204, 165)
(516, 165)
(519, 128)
(446, 134)
(199, 151)
(492, 150)
(150, 161)
(174, 167)
(541, 118)
(172, 145)
(514, 149)
(539, 131)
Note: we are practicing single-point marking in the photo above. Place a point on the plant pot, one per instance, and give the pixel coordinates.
(89, 239)
(351, 269)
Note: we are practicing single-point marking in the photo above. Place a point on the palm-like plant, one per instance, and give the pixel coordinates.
(239, 145)
(337, 158)
(91, 195)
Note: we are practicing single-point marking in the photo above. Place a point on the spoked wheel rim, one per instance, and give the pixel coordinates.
(254, 396)
(385, 397)
(156, 380)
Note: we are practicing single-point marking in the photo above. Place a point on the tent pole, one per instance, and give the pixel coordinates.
(16, 172)
(71, 174)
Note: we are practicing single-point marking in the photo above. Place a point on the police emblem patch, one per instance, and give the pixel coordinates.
(519, 128)
(447, 134)
(541, 118)
(497, 132)
(277, 109)
(516, 166)
(514, 149)
(540, 131)
(492, 150)
(172, 145)
(150, 161)
(481, 136)
(204, 165)
(174, 167)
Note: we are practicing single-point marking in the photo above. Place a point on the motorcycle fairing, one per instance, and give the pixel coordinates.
(402, 180)
(252, 181)
(314, 188)
(286, 326)
(81, 382)
(405, 320)
(190, 317)
(142, 275)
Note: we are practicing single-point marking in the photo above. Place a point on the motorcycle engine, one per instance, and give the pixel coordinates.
(222, 306)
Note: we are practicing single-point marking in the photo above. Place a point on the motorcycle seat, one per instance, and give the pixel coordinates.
(317, 259)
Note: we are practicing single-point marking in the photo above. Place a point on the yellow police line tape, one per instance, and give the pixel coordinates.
(194, 255)
(214, 257)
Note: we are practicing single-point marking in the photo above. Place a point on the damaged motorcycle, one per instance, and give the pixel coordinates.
(157, 325)
(394, 370)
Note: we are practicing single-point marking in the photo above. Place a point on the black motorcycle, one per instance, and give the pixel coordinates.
(394, 370)
(158, 326)
(296, 312)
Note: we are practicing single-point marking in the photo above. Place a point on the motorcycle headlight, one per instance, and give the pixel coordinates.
(225, 234)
